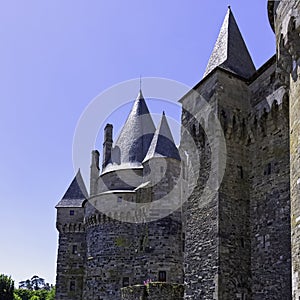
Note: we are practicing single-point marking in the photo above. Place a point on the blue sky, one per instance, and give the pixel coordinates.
(55, 57)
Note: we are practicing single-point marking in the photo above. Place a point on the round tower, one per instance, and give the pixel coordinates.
(123, 248)
(163, 244)
(285, 20)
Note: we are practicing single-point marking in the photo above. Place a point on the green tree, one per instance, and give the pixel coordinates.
(6, 288)
(24, 294)
(17, 297)
(42, 294)
(37, 282)
(26, 284)
(35, 297)
(51, 294)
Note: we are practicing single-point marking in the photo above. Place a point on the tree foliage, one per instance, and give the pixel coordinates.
(34, 283)
(35, 288)
(17, 297)
(41, 294)
(6, 288)
(51, 294)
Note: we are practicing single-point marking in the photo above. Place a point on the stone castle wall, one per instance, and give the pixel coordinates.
(287, 30)
(153, 291)
(241, 232)
(71, 253)
(200, 214)
(269, 193)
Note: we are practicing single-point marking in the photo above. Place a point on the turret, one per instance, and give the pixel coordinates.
(107, 144)
(72, 245)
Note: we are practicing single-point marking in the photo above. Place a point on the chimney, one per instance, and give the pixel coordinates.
(94, 172)
(107, 145)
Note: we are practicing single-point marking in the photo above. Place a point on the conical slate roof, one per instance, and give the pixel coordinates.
(230, 51)
(134, 140)
(163, 144)
(76, 194)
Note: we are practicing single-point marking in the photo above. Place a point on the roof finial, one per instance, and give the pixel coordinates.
(140, 82)
(229, 7)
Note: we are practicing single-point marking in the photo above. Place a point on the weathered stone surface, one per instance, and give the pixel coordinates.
(237, 237)
(153, 291)
(287, 29)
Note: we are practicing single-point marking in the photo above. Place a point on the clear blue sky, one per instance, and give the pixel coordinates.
(55, 57)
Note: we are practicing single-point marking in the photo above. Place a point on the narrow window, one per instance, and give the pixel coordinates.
(120, 199)
(269, 168)
(74, 249)
(194, 130)
(233, 123)
(241, 171)
(142, 243)
(183, 242)
(125, 281)
(72, 286)
(72, 212)
(272, 78)
(161, 169)
(242, 243)
(162, 276)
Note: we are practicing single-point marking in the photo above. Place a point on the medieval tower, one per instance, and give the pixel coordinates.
(237, 236)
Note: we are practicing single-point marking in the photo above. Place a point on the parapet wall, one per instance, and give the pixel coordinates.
(153, 291)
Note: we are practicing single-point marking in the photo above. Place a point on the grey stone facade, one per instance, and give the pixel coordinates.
(238, 237)
(122, 248)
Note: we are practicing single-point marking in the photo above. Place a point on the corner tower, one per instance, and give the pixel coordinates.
(72, 243)
(285, 19)
(217, 250)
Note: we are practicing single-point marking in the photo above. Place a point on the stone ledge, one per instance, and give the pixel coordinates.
(154, 291)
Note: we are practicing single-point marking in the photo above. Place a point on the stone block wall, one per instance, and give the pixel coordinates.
(200, 214)
(233, 214)
(71, 253)
(287, 29)
(154, 291)
(238, 241)
(122, 253)
(269, 193)
(110, 255)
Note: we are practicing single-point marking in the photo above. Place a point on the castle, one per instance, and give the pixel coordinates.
(237, 237)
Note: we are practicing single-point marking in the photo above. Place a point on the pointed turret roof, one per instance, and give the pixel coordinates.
(134, 140)
(163, 144)
(230, 51)
(76, 194)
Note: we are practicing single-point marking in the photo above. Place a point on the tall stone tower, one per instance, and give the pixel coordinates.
(285, 19)
(237, 229)
(71, 256)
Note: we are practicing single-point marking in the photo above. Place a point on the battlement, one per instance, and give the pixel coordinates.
(113, 217)
(266, 118)
(70, 227)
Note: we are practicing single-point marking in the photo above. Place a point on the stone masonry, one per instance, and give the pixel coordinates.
(237, 236)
